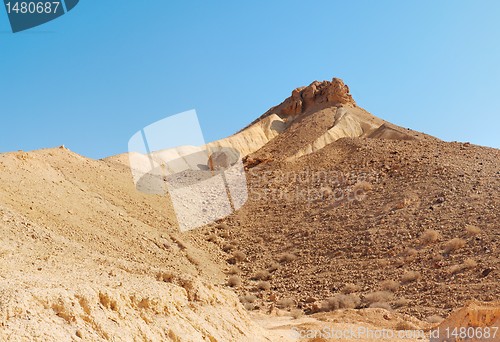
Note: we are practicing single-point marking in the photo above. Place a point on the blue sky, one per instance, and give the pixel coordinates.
(93, 77)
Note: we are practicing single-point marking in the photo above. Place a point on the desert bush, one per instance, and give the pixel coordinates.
(466, 265)
(341, 301)
(285, 303)
(249, 306)
(222, 226)
(472, 230)
(263, 285)
(403, 325)
(227, 247)
(410, 252)
(261, 275)
(429, 236)
(287, 257)
(212, 238)
(389, 285)
(380, 305)
(296, 313)
(248, 298)
(453, 245)
(410, 276)
(224, 234)
(234, 281)
(378, 297)
(239, 256)
(167, 277)
(398, 303)
(434, 319)
(350, 288)
(233, 270)
(273, 267)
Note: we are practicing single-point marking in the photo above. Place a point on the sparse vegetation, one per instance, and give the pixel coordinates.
(410, 276)
(466, 265)
(212, 238)
(287, 257)
(389, 285)
(434, 319)
(410, 252)
(350, 288)
(227, 247)
(381, 305)
(263, 285)
(233, 270)
(239, 256)
(274, 266)
(285, 303)
(378, 297)
(341, 301)
(399, 303)
(472, 230)
(453, 245)
(429, 236)
(248, 299)
(296, 313)
(234, 281)
(261, 275)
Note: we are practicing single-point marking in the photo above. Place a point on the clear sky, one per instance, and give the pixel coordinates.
(93, 77)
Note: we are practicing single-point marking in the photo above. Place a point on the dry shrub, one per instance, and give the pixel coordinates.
(341, 301)
(350, 288)
(296, 313)
(466, 265)
(472, 230)
(167, 277)
(222, 226)
(285, 303)
(389, 285)
(378, 297)
(239, 256)
(212, 238)
(401, 302)
(261, 275)
(263, 285)
(248, 298)
(224, 234)
(273, 267)
(249, 306)
(383, 262)
(234, 281)
(434, 319)
(410, 252)
(233, 270)
(227, 247)
(380, 305)
(429, 236)
(453, 245)
(287, 257)
(403, 325)
(410, 276)
(192, 259)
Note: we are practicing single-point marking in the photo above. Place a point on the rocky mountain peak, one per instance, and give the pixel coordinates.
(333, 93)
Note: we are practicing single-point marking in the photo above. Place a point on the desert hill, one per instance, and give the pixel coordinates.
(398, 218)
(350, 220)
